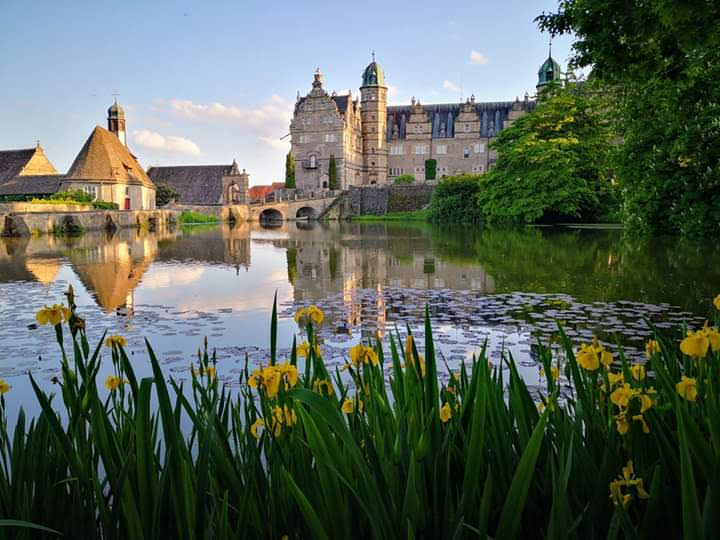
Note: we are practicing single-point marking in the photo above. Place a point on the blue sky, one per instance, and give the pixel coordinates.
(212, 81)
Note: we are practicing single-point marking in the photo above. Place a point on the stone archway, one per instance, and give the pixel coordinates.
(271, 217)
(306, 212)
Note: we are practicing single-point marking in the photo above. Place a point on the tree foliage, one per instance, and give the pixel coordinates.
(332, 173)
(289, 171)
(552, 163)
(453, 200)
(164, 193)
(663, 59)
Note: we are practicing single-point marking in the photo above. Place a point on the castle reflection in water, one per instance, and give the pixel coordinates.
(319, 261)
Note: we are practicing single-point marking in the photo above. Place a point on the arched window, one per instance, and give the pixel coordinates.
(313, 162)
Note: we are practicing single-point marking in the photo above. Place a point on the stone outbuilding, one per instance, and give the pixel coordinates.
(27, 173)
(205, 184)
(105, 169)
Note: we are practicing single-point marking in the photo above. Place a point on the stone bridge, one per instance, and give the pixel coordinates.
(291, 208)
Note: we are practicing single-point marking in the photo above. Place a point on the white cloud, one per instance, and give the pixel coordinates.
(476, 57)
(167, 143)
(275, 112)
(449, 85)
(276, 143)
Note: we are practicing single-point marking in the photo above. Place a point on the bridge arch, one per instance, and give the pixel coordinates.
(306, 212)
(271, 217)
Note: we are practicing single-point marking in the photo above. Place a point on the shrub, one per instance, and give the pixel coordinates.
(103, 205)
(404, 179)
(453, 200)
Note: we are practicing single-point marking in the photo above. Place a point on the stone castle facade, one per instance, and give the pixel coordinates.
(373, 143)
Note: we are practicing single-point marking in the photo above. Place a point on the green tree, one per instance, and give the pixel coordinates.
(289, 171)
(164, 194)
(453, 200)
(663, 59)
(553, 162)
(332, 173)
(430, 169)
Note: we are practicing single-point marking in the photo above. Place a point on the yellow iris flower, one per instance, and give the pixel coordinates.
(4, 387)
(445, 413)
(716, 301)
(53, 315)
(651, 347)
(348, 406)
(695, 345)
(115, 340)
(361, 354)
(638, 371)
(113, 382)
(687, 388)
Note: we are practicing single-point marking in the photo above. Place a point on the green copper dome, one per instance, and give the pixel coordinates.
(373, 75)
(549, 71)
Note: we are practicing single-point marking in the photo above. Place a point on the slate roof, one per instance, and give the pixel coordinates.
(104, 158)
(12, 162)
(492, 116)
(45, 184)
(196, 184)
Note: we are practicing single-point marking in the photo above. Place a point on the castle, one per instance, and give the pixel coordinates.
(373, 143)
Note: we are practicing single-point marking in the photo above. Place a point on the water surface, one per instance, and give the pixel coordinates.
(506, 288)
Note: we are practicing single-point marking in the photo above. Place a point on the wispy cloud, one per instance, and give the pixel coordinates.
(476, 57)
(275, 112)
(166, 143)
(449, 85)
(276, 143)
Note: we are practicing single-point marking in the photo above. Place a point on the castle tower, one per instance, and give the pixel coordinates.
(116, 122)
(373, 112)
(549, 71)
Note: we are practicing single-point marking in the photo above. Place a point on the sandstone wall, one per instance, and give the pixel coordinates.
(28, 223)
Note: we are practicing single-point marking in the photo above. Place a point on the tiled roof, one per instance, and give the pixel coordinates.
(104, 158)
(257, 192)
(45, 184)
(196, 184)
(12, 162)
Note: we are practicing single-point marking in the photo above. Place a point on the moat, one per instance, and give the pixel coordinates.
(508, 288)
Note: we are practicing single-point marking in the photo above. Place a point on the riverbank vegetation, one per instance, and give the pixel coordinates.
(602, 448)
(413, 215)
(189, 217)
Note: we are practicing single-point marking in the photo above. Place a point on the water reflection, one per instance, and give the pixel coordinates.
(175, 287)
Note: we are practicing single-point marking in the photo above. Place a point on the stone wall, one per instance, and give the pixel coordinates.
(381, 200)
(28, 223)
(228, 212)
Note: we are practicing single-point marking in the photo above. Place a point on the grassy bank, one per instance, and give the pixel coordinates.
(415, 215)
(302, 452)
(189, 217)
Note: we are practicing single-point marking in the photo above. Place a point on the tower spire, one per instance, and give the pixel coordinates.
(373, 55)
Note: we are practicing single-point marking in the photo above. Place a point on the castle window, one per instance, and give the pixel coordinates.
(329, 137)
(312, 164)
(372, 117)
(372, 150)
(420, 149)
(417, 128)
(396, 150)
(466, 152)
(479, 148)
(441, 149)
(91, 190)
(467, 128)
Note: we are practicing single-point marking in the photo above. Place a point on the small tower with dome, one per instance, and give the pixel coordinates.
(116, 122)
(549, 71)
(373, 110)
